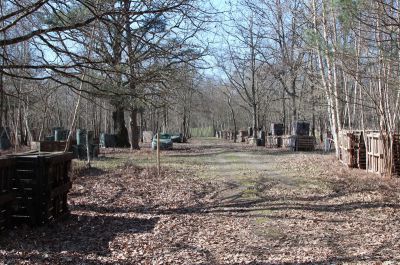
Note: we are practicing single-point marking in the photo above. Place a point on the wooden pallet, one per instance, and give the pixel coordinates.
(375, 153)
(288, 141)
(273, 141)
(299, 143)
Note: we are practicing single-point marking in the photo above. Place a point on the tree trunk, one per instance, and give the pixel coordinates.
(134, 129)
(119, 127)
(142, 125)
(1, 100)
(284, 111)
(255, 124)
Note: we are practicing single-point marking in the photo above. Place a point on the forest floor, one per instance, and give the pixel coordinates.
(218, 203)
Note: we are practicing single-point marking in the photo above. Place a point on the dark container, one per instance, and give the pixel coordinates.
(261, 138)
(83, 137)
(108, 140)
(301, 128)
(277, 129)
(61, 135)
(54, 129)
(80, 136)
(41, 184)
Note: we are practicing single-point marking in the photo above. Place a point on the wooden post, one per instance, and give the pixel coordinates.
(158, 153)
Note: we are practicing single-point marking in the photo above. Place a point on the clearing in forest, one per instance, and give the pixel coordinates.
(218, 203)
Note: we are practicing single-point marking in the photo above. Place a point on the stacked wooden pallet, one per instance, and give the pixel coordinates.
(396, 155)
(7, 198)
(304, 143)
(41, 184)
(299, 142)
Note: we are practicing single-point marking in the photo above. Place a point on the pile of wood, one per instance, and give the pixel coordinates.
(34, 188)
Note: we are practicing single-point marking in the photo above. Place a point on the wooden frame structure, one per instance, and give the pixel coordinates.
(367, 151)
(352, 149)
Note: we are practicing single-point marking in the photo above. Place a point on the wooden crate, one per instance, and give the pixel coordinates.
(273, 141)
(41, 184)
(7, 198)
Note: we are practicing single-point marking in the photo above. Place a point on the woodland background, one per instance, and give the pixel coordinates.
(124, 66)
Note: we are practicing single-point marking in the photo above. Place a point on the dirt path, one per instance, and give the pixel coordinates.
(219, 203)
